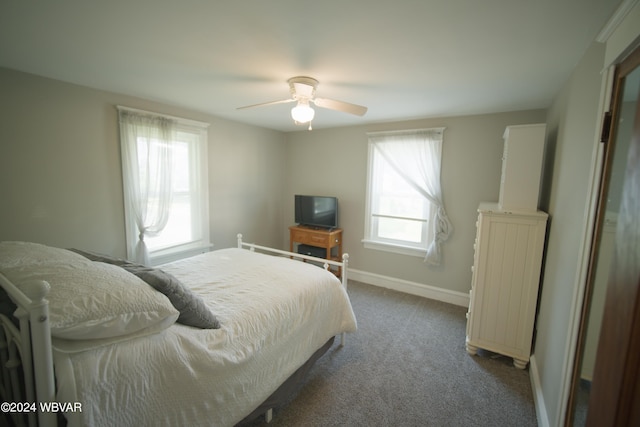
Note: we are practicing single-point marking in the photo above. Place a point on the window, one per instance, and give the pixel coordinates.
(164, 166)
(399, 213)
(404, 211)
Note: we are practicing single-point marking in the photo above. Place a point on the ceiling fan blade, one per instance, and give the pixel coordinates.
(284, 101)
(345, 107)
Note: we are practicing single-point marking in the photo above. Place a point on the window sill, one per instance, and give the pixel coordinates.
(398, 249)
(174, 254)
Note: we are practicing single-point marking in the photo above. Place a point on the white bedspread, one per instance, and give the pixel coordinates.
(275, 313)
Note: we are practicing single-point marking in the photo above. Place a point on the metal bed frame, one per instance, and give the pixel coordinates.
(27, 382)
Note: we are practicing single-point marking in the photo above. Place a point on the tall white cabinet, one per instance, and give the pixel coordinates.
(522, 167)
(508, 253)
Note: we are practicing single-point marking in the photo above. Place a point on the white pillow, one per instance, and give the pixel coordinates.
(27, 254)
(92, 300)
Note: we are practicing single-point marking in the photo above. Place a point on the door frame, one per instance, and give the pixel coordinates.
(615, 392)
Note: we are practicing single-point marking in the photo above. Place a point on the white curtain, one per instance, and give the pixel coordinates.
(146, 144)
(416, 156)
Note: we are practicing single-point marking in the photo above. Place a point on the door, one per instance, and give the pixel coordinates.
(615, 391)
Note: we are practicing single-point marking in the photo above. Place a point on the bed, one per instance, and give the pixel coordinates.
(214, 339)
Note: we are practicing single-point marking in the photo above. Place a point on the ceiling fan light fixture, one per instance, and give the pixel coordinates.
(302, 113)
(303, 93)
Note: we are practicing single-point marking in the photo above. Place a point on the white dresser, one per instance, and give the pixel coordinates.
(505, 281)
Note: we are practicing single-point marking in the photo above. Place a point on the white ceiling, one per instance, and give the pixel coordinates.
(403, 59)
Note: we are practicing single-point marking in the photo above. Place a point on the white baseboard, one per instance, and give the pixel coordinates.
(538, 397)
(413, 288)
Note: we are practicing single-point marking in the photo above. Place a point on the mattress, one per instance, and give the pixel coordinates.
(274, 314)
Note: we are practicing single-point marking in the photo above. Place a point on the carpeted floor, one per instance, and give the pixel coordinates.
(407, 366)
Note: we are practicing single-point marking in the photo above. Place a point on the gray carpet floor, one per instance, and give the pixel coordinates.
(407, 366)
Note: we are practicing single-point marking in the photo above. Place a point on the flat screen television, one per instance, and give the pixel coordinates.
(316, 211)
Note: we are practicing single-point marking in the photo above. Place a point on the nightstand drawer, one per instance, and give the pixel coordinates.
(318, 239)
(315, 239)
(301, 237)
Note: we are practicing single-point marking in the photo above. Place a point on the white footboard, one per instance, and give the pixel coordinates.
(341, 265)
(27, 348)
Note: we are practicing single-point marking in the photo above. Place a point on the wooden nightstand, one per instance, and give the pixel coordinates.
(327, 239)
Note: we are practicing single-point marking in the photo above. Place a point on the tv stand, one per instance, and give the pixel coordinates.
(320, 238)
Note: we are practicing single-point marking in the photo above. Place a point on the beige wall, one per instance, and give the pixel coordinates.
(572, 128)
(572, 165)
(60, 176)
(334, 162)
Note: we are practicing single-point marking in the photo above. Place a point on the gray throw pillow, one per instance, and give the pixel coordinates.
(193, 310)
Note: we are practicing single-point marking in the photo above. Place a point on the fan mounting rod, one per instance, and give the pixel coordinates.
(302, 87)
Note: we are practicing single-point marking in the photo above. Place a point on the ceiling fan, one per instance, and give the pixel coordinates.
(303, 91)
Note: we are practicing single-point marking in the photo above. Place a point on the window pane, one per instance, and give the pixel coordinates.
(409, 207)
(178, 229)
(400, 229)
(181, 167)
(397, 197)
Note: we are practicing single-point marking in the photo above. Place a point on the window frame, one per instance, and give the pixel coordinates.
(372, 241)
(197, 144)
